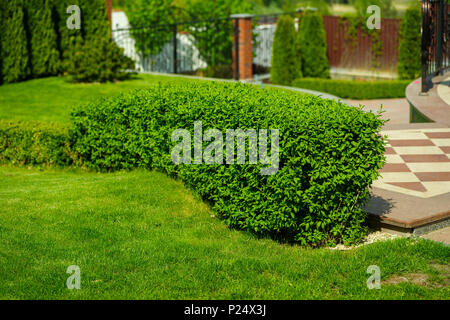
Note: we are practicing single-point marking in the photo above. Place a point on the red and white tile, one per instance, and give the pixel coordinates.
(417, 162)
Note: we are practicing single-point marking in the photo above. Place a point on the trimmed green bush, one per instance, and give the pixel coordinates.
(42, 38)
(35, 143)
(313, 47)
(361, 90)
(330, 154)
(98, 60)
(15, 55)
(285, 61)
(410, 55)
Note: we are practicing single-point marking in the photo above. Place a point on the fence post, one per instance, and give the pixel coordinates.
(109, 10)
(242, 46)
(175, 48)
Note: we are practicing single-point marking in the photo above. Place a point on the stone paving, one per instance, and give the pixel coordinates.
(417, 162)
(414, 188)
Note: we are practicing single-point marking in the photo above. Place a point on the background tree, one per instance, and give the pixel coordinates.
(313, 46)
(285, 60)
(42, 36)
(387, 7)
(15, 55)
(409, 60)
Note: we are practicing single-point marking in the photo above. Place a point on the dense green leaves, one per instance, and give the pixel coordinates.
(98, 60)
(330, 154)
(362, 90)
(313, 47)
(36, 41)
(42, 38)
(34, 143)
(409, 59)
(14, 46)
(286, 63)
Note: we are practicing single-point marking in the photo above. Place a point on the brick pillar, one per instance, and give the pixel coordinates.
(242, 46)
(109, 10)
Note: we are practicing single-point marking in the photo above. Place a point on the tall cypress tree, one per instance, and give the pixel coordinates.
(15, 64)
(285, 62)
(66, 38)
(409, 56)
(313, 47)
(43, 40)
(95, 24)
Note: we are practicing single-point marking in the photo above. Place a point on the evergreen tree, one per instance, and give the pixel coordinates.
(409, 60)
(42, 38)
(313, 47)
(14, 46)
(285, 60)
(95, 24)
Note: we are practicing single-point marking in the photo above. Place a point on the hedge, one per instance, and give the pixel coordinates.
(360, 90)
(313, 47)
(330, 154)
(35, 143)
(410, 55)
(286, 64)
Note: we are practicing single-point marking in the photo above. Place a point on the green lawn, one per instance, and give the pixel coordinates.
(142, 235)
(52, 99)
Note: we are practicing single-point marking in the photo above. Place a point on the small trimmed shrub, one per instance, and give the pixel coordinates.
(35, 143)
(99, 60)
(361, 90)
(313, 47)
(285, 61)
(410, 55)
(330, 154)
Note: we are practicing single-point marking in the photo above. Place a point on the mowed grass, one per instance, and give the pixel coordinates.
(142, 235)
(52, 99)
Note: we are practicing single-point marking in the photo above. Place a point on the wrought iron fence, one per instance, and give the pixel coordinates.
(435, 39)
(195, 47)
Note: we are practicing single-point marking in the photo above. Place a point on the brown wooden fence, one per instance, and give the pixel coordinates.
(348, 53)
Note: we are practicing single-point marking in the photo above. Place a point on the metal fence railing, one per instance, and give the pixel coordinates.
(435, 39)
(194, 47)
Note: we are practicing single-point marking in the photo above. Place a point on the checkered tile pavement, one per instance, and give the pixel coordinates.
(417, 162)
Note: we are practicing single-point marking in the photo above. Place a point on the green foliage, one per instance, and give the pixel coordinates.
(98, 60)
(361, 90)
(387, 7)
(95, 24)
(330, 154)
(313, 47)
(66, 38)
(409, 60)
(286, 63)
(35, 143)
(15, 54)
(353, 24)
(42, 38)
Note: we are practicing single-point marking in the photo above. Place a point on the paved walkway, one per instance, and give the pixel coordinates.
(414, 189)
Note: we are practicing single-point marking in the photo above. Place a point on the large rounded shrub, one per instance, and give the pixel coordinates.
(329, 154)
